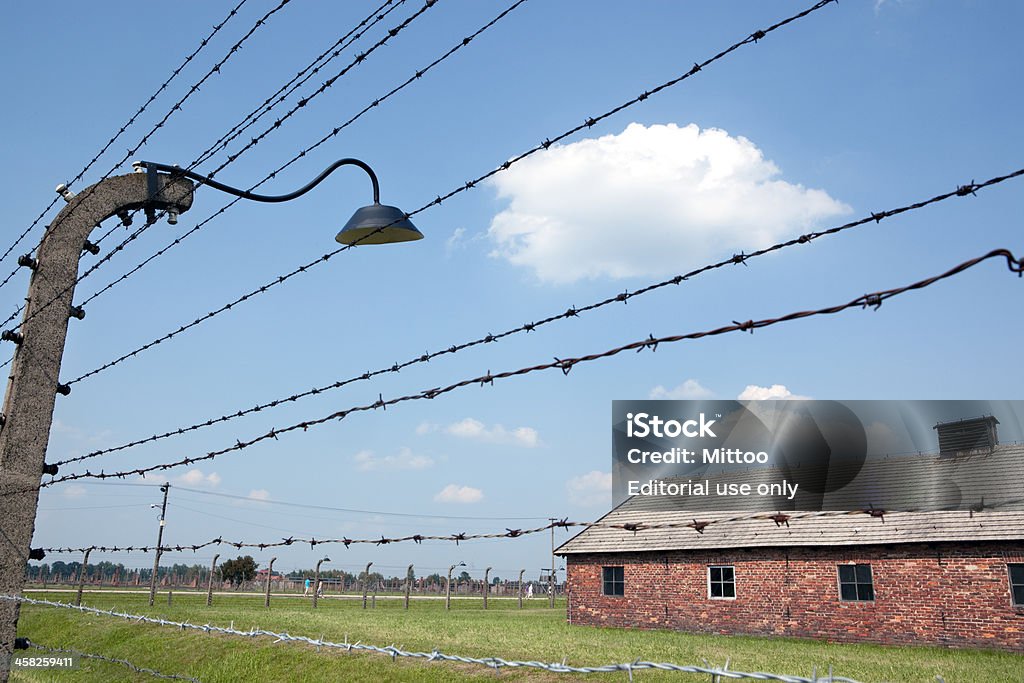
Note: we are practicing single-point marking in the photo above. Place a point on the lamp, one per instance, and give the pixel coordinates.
(373, 224)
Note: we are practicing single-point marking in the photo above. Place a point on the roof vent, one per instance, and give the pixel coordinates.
(974, 434)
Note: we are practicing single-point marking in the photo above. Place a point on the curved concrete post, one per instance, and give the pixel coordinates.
(270, 576)
(209, 589)
(81, 576)
(408, 585)
(31, 389)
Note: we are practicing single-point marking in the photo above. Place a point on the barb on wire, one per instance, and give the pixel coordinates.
(112, 660)
(462, 188)
(223, 209)
(313, 68)
(528, 327)
(145, 138)
(873, 300)
(435, 655)
(203, 43)
(464, 42)
(700, 526)
(359, 59)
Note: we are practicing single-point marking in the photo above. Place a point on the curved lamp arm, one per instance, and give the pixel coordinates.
(178, 171)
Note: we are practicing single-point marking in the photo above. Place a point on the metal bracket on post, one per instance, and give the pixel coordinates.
(152, 190)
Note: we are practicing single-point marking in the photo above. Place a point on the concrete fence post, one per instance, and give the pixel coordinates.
(270, 576)
(521, 572)
(408, 585)
(209, 589)
(81, 576)
(366, 582)
(487, 585)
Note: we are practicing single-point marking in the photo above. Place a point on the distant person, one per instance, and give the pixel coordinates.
(320, 589)
(305, 592)
(529, 590)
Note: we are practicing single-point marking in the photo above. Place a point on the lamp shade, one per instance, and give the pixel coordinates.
(378, 224)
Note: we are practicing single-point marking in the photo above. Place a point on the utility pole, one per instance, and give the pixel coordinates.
(551, 575)
(159, 544)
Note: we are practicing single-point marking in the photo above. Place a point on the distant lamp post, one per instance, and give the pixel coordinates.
(32, 387)
(448, 586)
(316, 580)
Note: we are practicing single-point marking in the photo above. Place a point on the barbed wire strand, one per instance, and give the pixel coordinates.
(300, 79)
(359, 59)
(295, 158)
(699, 526)
(590, 121)
(112, 660)
(145, 138)
(495, 663)
(566, 365)
(124, 127)
(571, 312)
(327, 84)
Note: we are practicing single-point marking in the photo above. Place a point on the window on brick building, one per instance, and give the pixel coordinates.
(1017, 583)
(855, 582)
(721, 582)
(613, 581)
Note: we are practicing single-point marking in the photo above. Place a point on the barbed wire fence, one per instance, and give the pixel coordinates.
(565, 365)
(124, 127)
(589, 122)
(969, 189)
(110, 660)
(496, 663)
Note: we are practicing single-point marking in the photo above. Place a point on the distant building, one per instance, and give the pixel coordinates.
(951, 578)
(261, 575)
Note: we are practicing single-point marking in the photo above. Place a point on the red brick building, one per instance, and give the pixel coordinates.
(952, 578)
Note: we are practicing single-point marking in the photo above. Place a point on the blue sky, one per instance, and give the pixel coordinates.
(860, 107)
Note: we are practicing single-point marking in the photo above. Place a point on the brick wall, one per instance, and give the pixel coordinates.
(953, 594)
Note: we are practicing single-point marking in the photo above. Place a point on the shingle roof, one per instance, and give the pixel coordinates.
(1001, 517)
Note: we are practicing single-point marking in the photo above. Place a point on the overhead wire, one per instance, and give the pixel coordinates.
(969, 189)
(565, 365)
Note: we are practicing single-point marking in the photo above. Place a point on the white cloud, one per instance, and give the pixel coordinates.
(691, 389)
(259, 494)
(651, 201)
(591, 489)
(775, 392)
(425, 428)
(475, 429)
(74, 491)
(195, 477)
(453, 493)
(405, 459)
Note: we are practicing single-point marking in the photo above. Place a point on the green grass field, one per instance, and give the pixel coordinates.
(535, 633)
